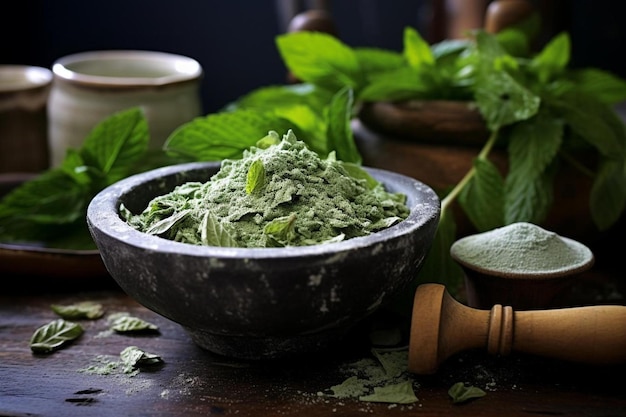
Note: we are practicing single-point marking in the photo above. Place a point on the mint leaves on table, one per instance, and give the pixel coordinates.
(124, 323)
(82, 310)
(58, 333)
(54, 335)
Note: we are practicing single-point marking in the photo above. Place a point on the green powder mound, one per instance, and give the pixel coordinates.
(521, 248)
(279, 194)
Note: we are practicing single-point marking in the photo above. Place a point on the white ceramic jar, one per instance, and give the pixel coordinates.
(90, 86)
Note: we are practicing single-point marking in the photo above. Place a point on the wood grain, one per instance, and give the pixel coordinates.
(193, 382)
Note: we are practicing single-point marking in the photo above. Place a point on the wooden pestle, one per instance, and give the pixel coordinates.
(441, 327)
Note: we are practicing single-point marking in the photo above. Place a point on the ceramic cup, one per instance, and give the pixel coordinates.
(90, 86)
(24, 93)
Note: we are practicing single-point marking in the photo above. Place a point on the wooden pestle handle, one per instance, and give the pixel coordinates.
(441, 327)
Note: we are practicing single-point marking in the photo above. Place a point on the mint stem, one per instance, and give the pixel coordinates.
(449, 199)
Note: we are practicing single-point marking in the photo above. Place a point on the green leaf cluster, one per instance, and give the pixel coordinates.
(544, 113)
(320, 117)
(541, 111)
(52, 207)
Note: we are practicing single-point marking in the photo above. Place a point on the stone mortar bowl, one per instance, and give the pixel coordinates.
(258, 303)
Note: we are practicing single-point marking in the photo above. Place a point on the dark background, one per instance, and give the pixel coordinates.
(234, 40)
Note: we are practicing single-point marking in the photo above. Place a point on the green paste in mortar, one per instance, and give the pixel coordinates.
(279, 194)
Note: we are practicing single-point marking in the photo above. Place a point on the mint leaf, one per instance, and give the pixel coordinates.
(374, 60)
(167, 223)
(608, 193)
(355, 171)
(116, 143)
(450, 47)
(54, 335)
(553, 59)
(124, 323)
(83, 310)
(530, 200)
(514, 42)
(304, 105)
(483, 198)
(320, 59)
(309, 123)
(600, 84)
(51, 207)
(340, 135)
(50, 198)
(276, 97)
(502, 100)
(596, 122)
(255, 179)
(281, 229)
(224, 135)
(416, 50)
(398, 84)
(74, 166)
(533, 145)
(213, 233)
(272, 138)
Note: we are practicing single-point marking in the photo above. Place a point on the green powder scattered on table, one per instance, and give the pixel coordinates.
(384, 379)
(521, 248)
(279, 194)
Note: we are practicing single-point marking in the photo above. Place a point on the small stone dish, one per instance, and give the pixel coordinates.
(259, 303)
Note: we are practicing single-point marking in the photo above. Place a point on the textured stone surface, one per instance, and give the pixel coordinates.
(281, 300)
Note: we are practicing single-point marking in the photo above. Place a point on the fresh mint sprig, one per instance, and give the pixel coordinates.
(51, 208)
(543, 113)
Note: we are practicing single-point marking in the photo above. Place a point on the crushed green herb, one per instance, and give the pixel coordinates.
(400, 393)
(384, 378)
(279, 194)
(102, 365)
(134, 358)
(460, 393)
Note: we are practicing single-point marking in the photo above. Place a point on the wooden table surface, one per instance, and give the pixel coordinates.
(195, 382)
